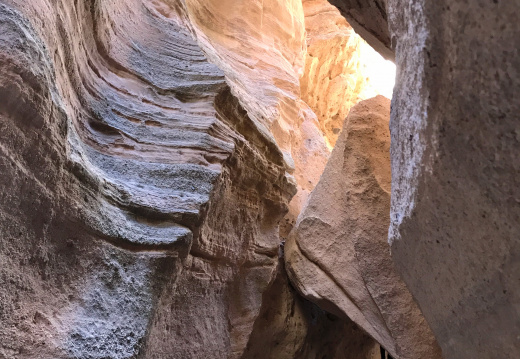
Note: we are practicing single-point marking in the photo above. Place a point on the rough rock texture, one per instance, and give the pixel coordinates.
(260, 46)
(122, 146)
(339, 68)
(455, 215)
(143, 185)
(369, 19)
(338, 256)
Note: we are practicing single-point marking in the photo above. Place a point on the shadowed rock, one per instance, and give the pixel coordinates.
(455, 212)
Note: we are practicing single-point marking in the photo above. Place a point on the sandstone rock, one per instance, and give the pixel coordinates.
(121, 147)
(341, 69)
(142, 186)
(260, 46)
(337, 255)
(455, 164)
(369, 19)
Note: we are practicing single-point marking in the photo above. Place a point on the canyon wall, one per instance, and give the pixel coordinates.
(149, 151)
(341, 69)
(370, 19)
(455, 170)
(156, 154)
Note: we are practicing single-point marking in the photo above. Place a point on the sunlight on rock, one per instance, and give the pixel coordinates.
(379, 73)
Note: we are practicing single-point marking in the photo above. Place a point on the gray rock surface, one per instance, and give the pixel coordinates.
(115, 136)
(455, 215)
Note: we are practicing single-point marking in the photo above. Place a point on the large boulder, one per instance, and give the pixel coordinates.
(338, 256)
(455, 215)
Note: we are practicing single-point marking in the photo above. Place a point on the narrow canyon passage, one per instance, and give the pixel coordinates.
(241, 179)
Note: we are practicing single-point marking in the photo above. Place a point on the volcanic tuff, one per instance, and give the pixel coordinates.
(148, 158)
(455, 210)
(337, 254)
(156, 154)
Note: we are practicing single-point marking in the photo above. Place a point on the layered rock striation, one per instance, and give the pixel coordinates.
(149, 150)
(132, 176)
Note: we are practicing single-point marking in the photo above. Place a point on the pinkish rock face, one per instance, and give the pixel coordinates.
(338, 256)
(143, 185)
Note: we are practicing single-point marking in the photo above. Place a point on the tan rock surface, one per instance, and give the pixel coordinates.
(260, 46)
(341, 69)
(121, 147)
(143, 185)
(338, 257)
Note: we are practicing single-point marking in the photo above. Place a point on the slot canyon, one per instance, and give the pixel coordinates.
(259, 179)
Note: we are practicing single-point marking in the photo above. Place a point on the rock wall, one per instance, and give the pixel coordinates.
(149, 150)
(337, 255)
(455, 162)
(136, 189)
(339, 68)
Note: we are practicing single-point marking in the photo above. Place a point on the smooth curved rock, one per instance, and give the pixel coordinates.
(455, 215)
(337, 255)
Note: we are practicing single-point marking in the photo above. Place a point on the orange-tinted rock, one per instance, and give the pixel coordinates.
(143, 185)
(260, 46)
(341, 69)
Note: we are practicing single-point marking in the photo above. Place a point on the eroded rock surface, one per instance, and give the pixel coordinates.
(455, 214)
(121, 147)
(336, 75)
(338, 256)
(149, 150)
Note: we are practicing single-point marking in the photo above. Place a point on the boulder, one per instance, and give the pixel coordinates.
(337, 255)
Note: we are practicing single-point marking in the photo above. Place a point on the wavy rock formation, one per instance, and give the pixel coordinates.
(149, 150)
(260, 46)
(337, 255)
(455, 211)
(132, 176)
